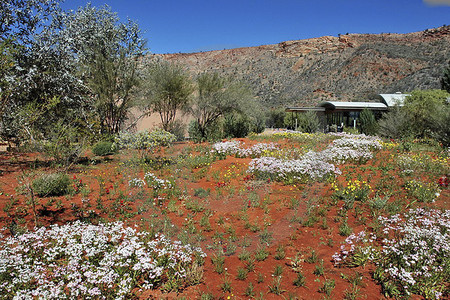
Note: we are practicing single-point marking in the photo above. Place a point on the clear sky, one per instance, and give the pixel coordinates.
(172, 26)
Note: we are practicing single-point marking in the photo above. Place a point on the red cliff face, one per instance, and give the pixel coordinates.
(348, 67)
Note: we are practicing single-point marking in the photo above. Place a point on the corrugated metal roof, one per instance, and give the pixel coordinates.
(394, 99)
(353, 105)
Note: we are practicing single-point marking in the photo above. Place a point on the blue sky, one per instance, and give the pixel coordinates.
(173, 26)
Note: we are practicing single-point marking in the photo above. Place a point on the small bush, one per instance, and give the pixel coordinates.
(63, 145)
(300, 280)
(55, 184)
(261, 254)
(102, 148)
(178, 129)
(143, 140)
(327, 287)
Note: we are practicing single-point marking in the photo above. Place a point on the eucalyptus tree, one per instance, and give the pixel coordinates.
(20, 21)
(79, 69)
(167, 90)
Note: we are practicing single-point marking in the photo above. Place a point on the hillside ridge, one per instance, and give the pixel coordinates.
(349, 67)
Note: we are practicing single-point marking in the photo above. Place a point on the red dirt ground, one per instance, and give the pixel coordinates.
(226, 207)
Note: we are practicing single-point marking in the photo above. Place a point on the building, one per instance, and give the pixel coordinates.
(347, 113)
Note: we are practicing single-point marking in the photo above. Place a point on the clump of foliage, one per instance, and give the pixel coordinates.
(369, 125)
(212, 133)
(110, 260)
(306, 122)
(63, 144)
(275, 118)
(103, 148)
(445, 80)
(54, 184)
(236, 126)
(425, 114)
(143, 141)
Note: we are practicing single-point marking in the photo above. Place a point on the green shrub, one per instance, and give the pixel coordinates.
(236, 126)
(102, 148)
(258, 125)
(144, 141)
(213, 131)
(54, 184)
(178, 129)
(64, 144)
(394, 124)
(369, 125)
(275, 118)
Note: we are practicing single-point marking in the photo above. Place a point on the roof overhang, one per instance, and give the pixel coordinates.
(352, 106)
(397, 99)
(304, 109)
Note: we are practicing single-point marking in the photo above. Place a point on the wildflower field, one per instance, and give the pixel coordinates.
(281, 216)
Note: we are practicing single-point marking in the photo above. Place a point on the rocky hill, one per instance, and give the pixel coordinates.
(349, 67)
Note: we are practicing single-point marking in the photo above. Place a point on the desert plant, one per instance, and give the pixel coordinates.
(312, 258)
(217, 96)
(144, 141)
(64, 144)
(102, 148)
(319, 269)
(278, 271)
(212, 133)
(306, 122)
(369, 125)
(53, 184)
(225, 286)
(236, 126)
(275, 288)
(218, 261)
(300, 280)
(261, 254)
(178, 129)
(344, 228)
(280, 252)
(167, 90)
(250, 290)
(242, 274)
(327, 287)
(394, 124)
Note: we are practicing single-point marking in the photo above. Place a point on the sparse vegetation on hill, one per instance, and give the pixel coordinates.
(348, 67)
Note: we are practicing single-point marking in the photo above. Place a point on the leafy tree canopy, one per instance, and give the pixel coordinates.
(167, 90)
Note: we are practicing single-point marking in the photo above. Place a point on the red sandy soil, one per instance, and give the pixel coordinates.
(226, 208)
